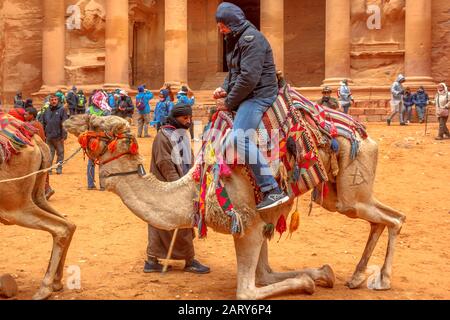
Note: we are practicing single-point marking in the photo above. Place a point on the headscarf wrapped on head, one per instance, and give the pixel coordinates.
(179, 110)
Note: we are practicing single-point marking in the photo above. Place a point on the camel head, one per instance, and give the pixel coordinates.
(103, 138)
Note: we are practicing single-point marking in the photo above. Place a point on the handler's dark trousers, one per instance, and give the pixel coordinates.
(443, 129)
(58, 146)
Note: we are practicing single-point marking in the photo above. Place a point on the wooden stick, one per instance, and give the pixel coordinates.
(169, 254)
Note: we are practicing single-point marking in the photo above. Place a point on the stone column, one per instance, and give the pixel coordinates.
(337, 43)
(176, 43)
(117, 44)
(53, 47)
(418, 42)
(272, 26)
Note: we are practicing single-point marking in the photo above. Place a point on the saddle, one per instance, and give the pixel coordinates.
(290, 135)
(14, 135)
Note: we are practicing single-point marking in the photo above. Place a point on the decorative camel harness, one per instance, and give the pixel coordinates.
(90, 143)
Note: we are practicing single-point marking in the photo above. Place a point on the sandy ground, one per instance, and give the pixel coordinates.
(110, 242)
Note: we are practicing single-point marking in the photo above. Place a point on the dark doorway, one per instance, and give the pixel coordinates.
(252, 10)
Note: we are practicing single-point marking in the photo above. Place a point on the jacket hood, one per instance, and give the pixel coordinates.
(445, 88)
(400, 78)
(232, 16)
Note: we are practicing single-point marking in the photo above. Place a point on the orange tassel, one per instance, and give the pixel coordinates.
(94, 144)
(295, 223)
(112, 147)
(83, 141)
(134, 148)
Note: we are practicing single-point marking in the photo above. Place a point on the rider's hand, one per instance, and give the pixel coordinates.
(221, 106)
(220, 93)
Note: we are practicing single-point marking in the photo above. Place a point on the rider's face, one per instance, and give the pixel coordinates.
(223, 28)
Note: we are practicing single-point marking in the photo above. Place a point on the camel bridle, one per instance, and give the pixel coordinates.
(90, 142)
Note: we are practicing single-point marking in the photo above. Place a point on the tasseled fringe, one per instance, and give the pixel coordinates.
(335, 145)
(296, 174)
(237, 226)
(281, 226)
(202, 228)
(268, 231)
(295, 221)
(225, 171)
(196, 175)
(292, 147)
(354, 149)
(284, 177)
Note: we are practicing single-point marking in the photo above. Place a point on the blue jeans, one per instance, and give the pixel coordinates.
(248, 119)
(91, 175)
(346, 106)
(421, 112)
(408, 113)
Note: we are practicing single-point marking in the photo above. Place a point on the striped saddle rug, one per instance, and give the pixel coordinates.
(14, 135)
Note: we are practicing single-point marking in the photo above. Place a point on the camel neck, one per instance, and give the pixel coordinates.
(164, 205)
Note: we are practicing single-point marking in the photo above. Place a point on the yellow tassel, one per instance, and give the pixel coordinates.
(295, 221)
(209, 179)
(210, 155)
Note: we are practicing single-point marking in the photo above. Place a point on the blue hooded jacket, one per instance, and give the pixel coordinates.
(163, 108)
(251, 65)
(184, 99)
(143, 98)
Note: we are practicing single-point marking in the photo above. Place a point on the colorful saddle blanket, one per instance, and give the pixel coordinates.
(290, 135)
(14, 135)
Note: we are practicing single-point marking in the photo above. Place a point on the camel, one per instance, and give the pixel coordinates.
(351, 194)
(23, 203)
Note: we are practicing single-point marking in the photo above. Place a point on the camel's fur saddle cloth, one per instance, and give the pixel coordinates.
(291, 133)
(14, 135)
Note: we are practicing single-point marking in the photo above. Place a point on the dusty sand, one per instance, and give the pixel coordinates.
(109, 244)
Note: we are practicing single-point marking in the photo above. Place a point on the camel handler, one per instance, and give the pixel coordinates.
(250, 89)
(172, 159)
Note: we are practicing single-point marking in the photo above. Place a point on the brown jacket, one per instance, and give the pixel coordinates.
(166, 170)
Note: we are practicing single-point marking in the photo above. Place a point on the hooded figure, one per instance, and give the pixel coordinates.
(250, 89)
(397, 106)
(163, 108)
(172, 158)
(421, 101)
(442, 111)
(143, 106)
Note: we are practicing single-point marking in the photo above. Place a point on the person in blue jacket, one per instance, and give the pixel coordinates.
(408, 102)
(182, 98)
(143, 107)
(162, 109)
(421, 100)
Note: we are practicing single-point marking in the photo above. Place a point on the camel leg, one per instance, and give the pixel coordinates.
(383, 280)
(359, 276)
(248, 250)
(62, 231)
(265, 275)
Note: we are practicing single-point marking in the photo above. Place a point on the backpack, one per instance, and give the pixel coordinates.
(140, 105)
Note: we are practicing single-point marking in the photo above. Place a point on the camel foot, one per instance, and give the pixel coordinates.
(329, 278)
(356, 281)
(8, 286)
(58, 286)
(43, 294)
(306, 284)
(379, 283)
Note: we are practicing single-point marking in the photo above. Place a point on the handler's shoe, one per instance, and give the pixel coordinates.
(272, 199)
(154, 266)
(196, 267)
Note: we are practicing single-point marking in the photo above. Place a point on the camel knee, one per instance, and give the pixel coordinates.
(64, 234)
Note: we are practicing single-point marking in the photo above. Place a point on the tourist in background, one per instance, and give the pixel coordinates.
(183, 98)
(442, 111)
(72, 101)
(143, 107)
(327, 100)
(81, 102)
(163, 108)
(18, 100)
(125, 107)
(408, 102)
(397, 106)
(421, 100)
(345, 96)
(53, 120)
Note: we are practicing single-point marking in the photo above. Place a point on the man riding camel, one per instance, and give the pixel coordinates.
(250, 88)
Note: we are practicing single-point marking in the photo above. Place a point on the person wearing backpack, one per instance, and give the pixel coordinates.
(72, 101)
(162, 109)
(81, 104)
(442, 111)
(143, 107)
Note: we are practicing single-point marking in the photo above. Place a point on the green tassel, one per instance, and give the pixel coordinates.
(269, 231)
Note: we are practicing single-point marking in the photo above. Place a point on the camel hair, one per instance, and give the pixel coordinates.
(23, 203)
(351, 194)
